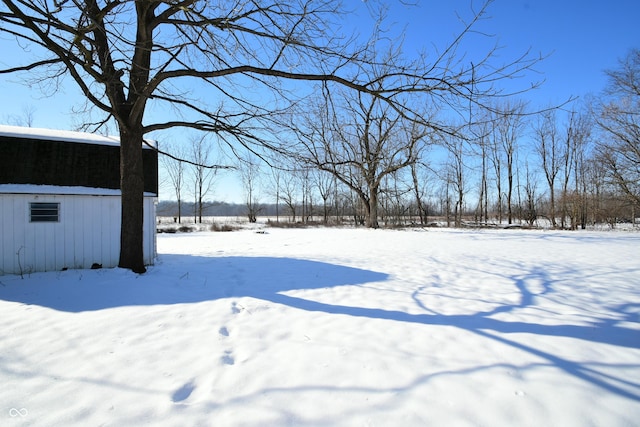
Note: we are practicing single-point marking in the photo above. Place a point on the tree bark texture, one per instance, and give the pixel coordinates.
(132, 215)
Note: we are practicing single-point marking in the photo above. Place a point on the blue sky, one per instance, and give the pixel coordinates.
(582, 38)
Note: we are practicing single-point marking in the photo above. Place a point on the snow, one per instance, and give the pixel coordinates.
(333, 327)
(64, 136)
(60, 190)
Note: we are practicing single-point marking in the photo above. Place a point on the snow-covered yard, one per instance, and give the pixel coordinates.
(333, 327)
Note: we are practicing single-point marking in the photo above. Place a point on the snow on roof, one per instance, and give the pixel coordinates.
(60, 190)
(62, 135)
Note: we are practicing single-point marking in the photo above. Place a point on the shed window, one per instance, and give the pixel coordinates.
(45, 212)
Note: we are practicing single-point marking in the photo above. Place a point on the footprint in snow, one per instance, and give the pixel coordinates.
(224, 331)
(183, 392)
(227, 358)
(234, 308)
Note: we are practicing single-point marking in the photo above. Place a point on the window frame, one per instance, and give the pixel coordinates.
(44, 212)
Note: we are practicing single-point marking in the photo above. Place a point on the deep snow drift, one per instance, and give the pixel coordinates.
(336, 327)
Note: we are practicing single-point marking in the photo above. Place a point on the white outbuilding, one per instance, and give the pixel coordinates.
(60, 204)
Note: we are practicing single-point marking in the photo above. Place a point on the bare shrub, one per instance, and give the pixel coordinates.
(223, 227)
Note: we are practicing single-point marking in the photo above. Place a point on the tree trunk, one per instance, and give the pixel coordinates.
(552, 193)
(132, 215)
(372, 211)
(510, 195)
(459, 206)
(416, 190)
(325, 209)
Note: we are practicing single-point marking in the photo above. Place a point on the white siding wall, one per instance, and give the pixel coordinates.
(88, 232)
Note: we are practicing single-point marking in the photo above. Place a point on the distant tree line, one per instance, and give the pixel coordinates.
(355, 159)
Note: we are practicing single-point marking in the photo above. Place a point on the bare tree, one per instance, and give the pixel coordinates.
(549, 148)
(193, 55)
(575, 139)
(418, 194)
(249, 169)
(175, 169)
(324, 183)
(276, 179)
(455, 174)
(445, 198)
(361, 143)
(394, 198)
(579, 138)
(509, 127)
(26, 118)
(618, 117)
(203, 176)
(304, 176)
(482, 145)
(289, 193)
(567, 167)
(594, 181)
(495, 154)
(530, 212)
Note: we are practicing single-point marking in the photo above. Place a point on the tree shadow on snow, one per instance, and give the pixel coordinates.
(604, 330)
(181, 279)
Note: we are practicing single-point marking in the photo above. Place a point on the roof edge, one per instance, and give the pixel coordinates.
(61, 190)
(64, 136)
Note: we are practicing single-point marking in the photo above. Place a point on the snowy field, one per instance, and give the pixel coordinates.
(333, 327)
